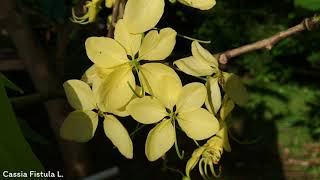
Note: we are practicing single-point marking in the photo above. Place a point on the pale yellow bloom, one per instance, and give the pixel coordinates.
(114, 92)
(81, 124)
(91, 9)
(172, 102)
(201, 63)
(199, 4)
(210, 153)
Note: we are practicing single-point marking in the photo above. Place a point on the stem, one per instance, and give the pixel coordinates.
(268, 43)
(180, 155)
(193, 39)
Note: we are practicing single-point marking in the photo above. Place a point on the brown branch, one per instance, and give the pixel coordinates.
(11, 65)
(268, 43)
(115, 15)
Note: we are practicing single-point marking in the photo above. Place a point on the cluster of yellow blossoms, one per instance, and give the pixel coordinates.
(128, 79)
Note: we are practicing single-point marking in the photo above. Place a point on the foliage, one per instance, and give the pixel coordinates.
(15, 151)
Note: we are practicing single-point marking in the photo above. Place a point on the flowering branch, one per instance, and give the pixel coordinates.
(267, 44)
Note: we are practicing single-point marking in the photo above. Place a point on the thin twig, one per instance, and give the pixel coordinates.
(115, 14)
(268, 43)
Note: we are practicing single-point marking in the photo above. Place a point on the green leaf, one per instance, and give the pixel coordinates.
(7, 83)
(235, 89)
(15, 153)
(313, 5)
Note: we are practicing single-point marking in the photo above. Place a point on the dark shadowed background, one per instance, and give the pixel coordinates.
(276, 135)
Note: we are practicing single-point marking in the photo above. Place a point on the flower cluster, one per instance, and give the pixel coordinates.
(128, 78)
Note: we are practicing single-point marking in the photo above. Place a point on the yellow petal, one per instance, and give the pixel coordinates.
(193, 66)
(191, 97)
(168, 91)
(142, 15)
(146, 110)
(198, 124)
(164, 47)
(160, 139)
(150, 42)
(79, 126)
(118, 135)
(114, 92)
(199, 4)
(131, 42)
(215, 95)
(226, 108)
(79, 95)
(204, 55)
(94, 76)
(152, 73)
(105, 52)
(235, 89)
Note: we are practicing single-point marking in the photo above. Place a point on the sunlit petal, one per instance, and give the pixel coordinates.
(152, 73)
(118, 135)
(199, 4)
(142, 15)
(160, 139)
(79, 126)
(164, 47)
(204, 55)
(191, 97)
(95, 75)
(168, 91)
(214, 94)
(194, 67)
(105, 52)
(114, 92)
(150, 42)
(146, 110)
(79, 95)
(198, 124)
(131, 42)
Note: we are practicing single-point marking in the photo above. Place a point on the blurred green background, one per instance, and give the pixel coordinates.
(276, 134)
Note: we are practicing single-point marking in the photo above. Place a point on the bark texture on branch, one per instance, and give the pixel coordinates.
(35, 60)
(268, 43)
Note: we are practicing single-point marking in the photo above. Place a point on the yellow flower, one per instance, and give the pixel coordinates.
(91, 9)
(210, 153)
(201, 63)
(81, 124)
(199, 4)
(172, 102)
(119, 54)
